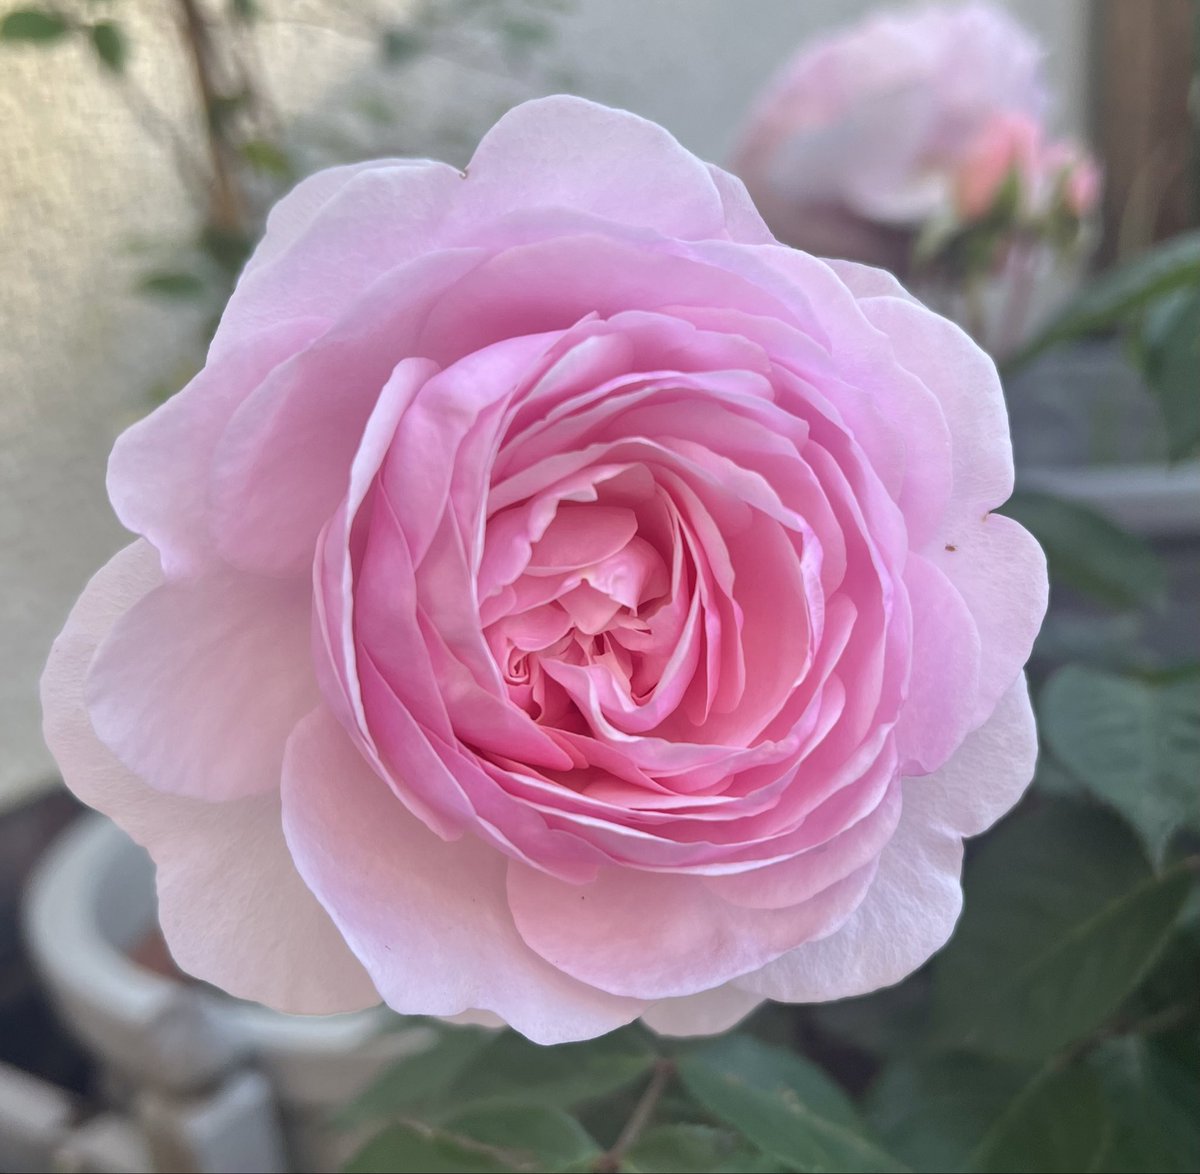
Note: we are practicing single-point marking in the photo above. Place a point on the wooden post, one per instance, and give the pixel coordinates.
(1145, 65)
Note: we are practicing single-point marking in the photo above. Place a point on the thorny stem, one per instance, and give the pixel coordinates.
(643, 1111)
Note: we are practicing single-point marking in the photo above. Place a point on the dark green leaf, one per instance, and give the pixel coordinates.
(1059, 1124)
(266, 157)
(418, 1080)
(1134, 743)
(1109, 300)
(413, 1149)
(1087, 552)
(401, 45)
(1114, 640)
(1063, 917)
(690, 1149)
(33, 24)
(1171, 984)
(890, 1022)
(538, 1135)
(1153, 1088)
(1173, 372)
(565, 1075)
(173, 284)
(109, 44)
(783, 1104)
(228, 249)
(934, 1112)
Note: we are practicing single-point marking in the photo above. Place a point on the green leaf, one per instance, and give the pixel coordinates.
(1059, 1124)
(414, 1149)
(169, 283)
(1063, 917)
(1087, 552)
(1153, 1089)
(266, 157)
(510, 1066)
(691, 1149)
(33, 24)
(228, 249)
(401, 45)
(1134, 743)
(1108, 300)
(1173, 372)
(417, 1080)
(1171, 983)
(538, 1135)
(1115, 640)
(933, 1113)
(783, 1104)
(890, 1022)
(109, 44)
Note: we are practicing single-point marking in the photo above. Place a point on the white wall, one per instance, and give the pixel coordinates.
(77, 179)
(694, 65)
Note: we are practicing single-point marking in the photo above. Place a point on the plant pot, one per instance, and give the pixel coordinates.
(166, 1042)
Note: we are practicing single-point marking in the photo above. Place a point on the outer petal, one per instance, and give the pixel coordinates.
(964, 380)
(234, 910)
(427, 918)
(910, 910)
(158, 469)
(742, 219)
(1000, 571)
(662, 935)
(335, 235)
(571, 153)
(198, 685)
(706, 1013)
(869, 281)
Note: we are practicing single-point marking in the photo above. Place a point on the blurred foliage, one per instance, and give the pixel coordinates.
(1153, 302)
(239, 156)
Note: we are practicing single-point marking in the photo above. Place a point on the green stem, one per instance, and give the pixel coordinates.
(643, 1111)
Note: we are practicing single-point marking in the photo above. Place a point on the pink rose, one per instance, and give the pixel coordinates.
(557, 599)
(859, 138)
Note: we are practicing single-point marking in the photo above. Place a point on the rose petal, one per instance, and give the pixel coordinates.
(427, 918)
(910, 909)
(198, 685)
(706, 1013)
(159, 467)
(565, 151)
(233, 909)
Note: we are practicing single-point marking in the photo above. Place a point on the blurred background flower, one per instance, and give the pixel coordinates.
(918, 140)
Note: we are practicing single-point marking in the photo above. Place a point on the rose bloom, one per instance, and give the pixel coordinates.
(557, 601)
(859, 139)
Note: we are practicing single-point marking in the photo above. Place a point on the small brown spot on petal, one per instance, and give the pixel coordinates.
(951, 546)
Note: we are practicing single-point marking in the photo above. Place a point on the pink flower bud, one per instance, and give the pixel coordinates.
(1008, 143)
